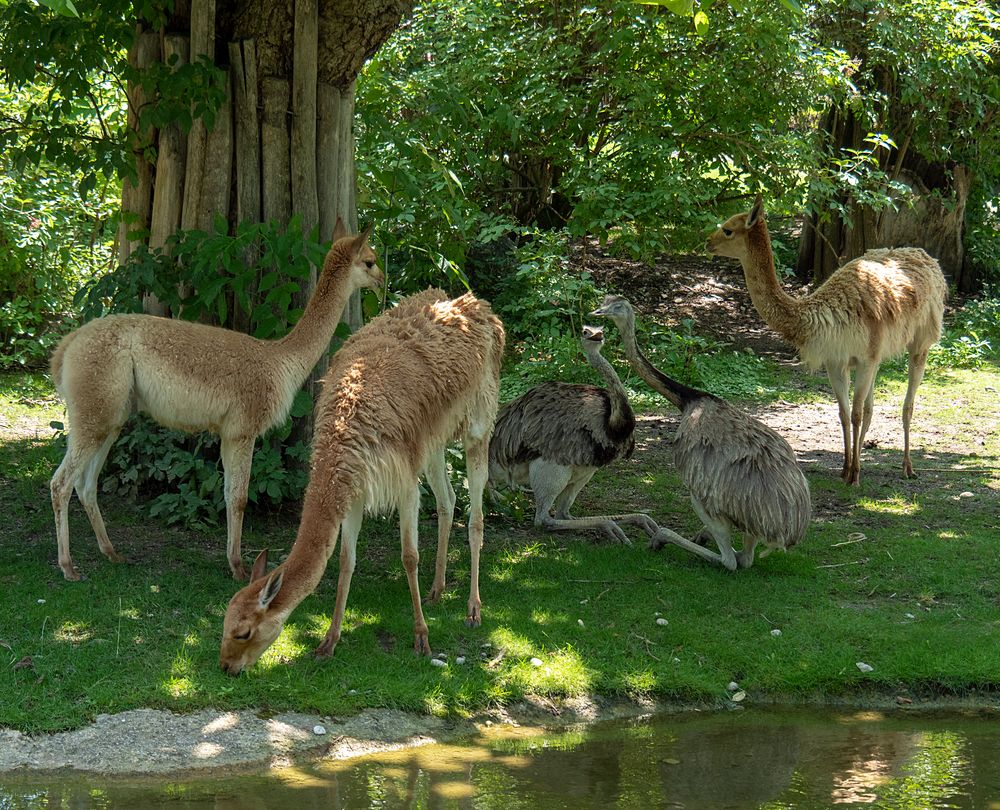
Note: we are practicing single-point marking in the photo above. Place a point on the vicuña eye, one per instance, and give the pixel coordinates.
(727, 232)
(242, 636)
(369, 264)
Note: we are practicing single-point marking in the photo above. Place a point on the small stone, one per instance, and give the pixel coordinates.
(902, 700)
(319, 731)
(732, 686)
(910, 616)
(965, 495)
(864, 667)
(41, 601)
(677, 660)
(438, 662)
(775, 632)
(352, 691)
(460, 660)
(671, 761)
(738, 696)
(661, 621)
(580, 622)
(536, 662)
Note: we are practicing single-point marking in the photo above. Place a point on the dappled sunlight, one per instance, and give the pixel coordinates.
(893, 505)
(223, 722)
(73, 632)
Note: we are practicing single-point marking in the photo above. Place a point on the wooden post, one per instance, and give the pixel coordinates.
(137, 196)
(168, 191)
(202, 44)
(243, 61)
(276, 184)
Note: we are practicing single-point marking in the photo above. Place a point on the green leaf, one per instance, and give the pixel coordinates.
(62, 7)
(681, 7)
(701, 23)
(792, 5)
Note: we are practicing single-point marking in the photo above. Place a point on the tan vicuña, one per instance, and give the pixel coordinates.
(192, 377)
(397, 392)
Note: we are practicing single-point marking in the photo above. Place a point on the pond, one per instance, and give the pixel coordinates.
(747, 759)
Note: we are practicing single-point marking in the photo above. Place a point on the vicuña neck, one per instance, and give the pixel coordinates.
(778, 309)
(678, 393)
(311, 335)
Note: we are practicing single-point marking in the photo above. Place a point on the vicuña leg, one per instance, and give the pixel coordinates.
(437, 478)
(409, 518)
(350, 528)
(864, 383)
(918, 360)
(237, 458)
(840, 381)
(86, 491)
(477, 469)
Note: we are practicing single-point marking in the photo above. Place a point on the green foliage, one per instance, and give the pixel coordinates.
(972, 339)
(982, 235)
(49, 242)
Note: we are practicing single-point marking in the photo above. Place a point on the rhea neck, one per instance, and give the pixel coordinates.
(679, 394)
(310, 337)
(621, 411)
(778, 309)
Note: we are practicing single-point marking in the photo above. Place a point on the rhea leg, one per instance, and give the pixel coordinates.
(350, 528)
(916, 374)
(719, 530)
(477, 468)
(237, 458)
(437, 478)
(579, 476)
(548, 482)
(409, 514)
(840, 381)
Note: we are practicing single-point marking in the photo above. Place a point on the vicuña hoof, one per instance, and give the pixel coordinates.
(421, 646)
(433, 596)
(240, 573)
(72, 575)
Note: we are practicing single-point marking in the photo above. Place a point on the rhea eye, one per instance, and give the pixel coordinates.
(727, 232)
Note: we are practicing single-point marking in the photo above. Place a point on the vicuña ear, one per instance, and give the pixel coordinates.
(756, 213)
(271, 588)
(339, 231)
(362, 238)
(259, 566)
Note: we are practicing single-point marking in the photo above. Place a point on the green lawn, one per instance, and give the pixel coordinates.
(901, 575)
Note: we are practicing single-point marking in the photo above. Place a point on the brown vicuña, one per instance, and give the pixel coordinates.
(397, 392)
(193, 377)
(871, 308)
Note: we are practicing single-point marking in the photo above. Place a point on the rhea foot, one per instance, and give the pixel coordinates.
(325, 650)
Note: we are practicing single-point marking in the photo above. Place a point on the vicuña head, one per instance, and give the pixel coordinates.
(253, 619)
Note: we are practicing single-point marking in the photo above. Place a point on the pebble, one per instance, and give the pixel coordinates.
(661, 621)
(864, 667)
(580, 622)
(438, 662)
(738, 696)
(732, 687)
(910, 616)
(536, 662)
(775, 632)
(460, 660)
(319, 731)
(352, 691)
(41, 601)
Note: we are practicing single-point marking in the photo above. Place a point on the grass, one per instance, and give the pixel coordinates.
(902, 575)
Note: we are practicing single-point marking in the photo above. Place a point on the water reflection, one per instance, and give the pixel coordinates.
(753, 759)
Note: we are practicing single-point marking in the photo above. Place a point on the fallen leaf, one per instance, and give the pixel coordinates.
(25, 663)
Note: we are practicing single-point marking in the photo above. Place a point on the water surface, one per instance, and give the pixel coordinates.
(748, 759)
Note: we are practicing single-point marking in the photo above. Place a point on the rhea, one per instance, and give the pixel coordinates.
(554, 437)
(741, 474)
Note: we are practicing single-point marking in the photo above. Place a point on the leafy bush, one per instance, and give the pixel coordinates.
(972, 339)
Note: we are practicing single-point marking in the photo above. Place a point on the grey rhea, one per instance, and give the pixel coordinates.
(741, 474)
(553, 438)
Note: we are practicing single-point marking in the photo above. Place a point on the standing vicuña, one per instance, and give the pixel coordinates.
(189, 376)
(396, 394)
(872, 308)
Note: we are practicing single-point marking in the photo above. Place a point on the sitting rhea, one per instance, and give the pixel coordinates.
(741, 474)
(553, 438)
